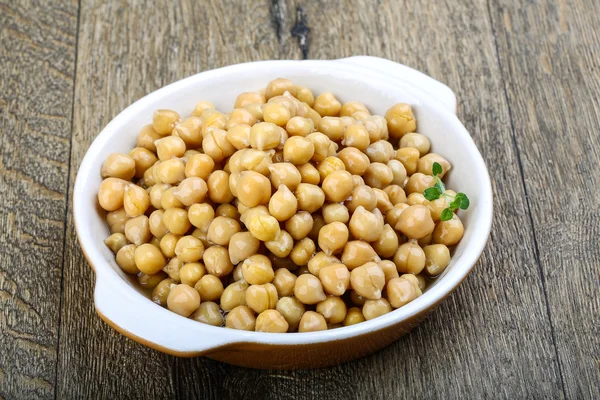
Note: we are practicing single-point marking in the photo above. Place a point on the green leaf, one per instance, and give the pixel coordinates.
(437, 169)
(446, 214)
(439, 185)
(454, 204)
(432, 193)
(463, 201)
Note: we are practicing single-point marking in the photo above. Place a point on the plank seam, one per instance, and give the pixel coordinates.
(527, 202)
(62, 272)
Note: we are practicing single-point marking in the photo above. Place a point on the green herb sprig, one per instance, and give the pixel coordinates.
(439, 189)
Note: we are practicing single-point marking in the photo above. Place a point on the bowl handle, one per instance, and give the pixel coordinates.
(435, 89)
(134, 316)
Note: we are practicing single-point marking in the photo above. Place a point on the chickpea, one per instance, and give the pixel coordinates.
(283, 204)
(292, 310)
(149, 282)
(436, 207)
(318, 223)
(353, 317)
(366, 225)
(417, 199)
(257, 270)
(253, 212)
(201, 216)
(118, 165)
(401, 291)
(357, 253)
(352, 107)
(319, 261)
(376, 308)
(209, 287)
(176, 220)
(282, 245)
(253, 189)
(358, 180)
(393, 215)
(228, 210)
(415, 222)
(362, 196)
(368, 280)
(148, 259)
(115, 242)
(322, 145)
(147, 137)
(116, 220)
(298, 150)
(418, 182)
(335, 213)
(333, 309)
(183, 300)
(303, 251)
(310, 197)
(216, 145)
(218, 187)
(314, 116)
(111, 193)
(398, 172)
(276, 113)
(308, 289)
(172, 269)
(221, 230)
(417, 141)
(168, 243)
(425, 164)
(137, 230)
(335, 278)
(338, 186)
(312, 321)
(211, 120)
(191, 273)
(357, 299)
(192, 190)
(356, 136)
(208, 313)
(164, 121)
(190, 131)
(234, 295)
(240, 116)
(241, 318)
(201, 107)
(330, 165)
(265, 136)
(255, 109)
(380, 151)
(410, 258)
(156, 193)
(332, 127)
(263, 227)
(333, 237)
(162, 290)
(424, 241)
(271, 321)
(199, 166)
(409, 157)
(170, 147)
(284, 282)
(170, 171)
(217, 262)
(169, 200)
(256, 160)
(285, 174)
(383, 201)
(246, 98)
(239, 136)
(189, 249)
(396, 194)
(125, 259)
(449, 232)
(309, 174)
(378, 175)
(327, 105)
(355, 161)
(155, 224)
(242, 245)
(278, 87)
(261, 297)
(400, 120)
(437, 258)
(421, 281)
(387, 244)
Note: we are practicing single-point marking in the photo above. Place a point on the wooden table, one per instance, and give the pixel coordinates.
(525, 324)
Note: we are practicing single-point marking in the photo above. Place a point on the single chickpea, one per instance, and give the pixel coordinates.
(409, 157)
(376, 308)
(298, 150)
(211, 120)
(417, 141)
(234, 295)
(115, 242)
(125, 259)
(192, 190)
(285, 174)
(387, 244)
(333, 237)
(171, 171)
(191, 273)
(209, 287)
(356, 136)
(221, 230)
(168, 243)
(437, 258)
(183, 300)
(189, 249)
(163, 121)
(383, 201)
(400, 120)
(310, 197)
(312, 321)
(333, 127)
(303, 251)
(322, 145)
(425, 164)
(149, 282)
(240, 116)
(333, 309)
(389, 270)
(278, 87)
(241, 318)
(161, 291)
(111, 193)
(418, 182)
(366, 225)
(305, 95)
(362, 196)
(417, 199)
(449, 232)
(228, 210)
(421, 281)
(253, 188)
(264, 227)
(170, 147)
(410, 258)
(380, 151)
(246, 98)
(148, 259)
(308, 289)
(276, 113)
(242, 245)
(250, 213)
(318, 223)
(282, 245)
(396, 194)
(335, 278)
(265, 136)
(271, 321)
(314, 116)
(283, 204)
(355, 161)
(169, 200)
(156, 193)
(284, 282)
(398, 172)
(393, 215)
(147, 137)
(378, 175)
(201, 107)
(118, 165)
(292, 310)
(116, 220)
(415, 222)
(338, 186)
(400, 291)
(239, 136)
(368, 280)
(200, 166)
(261, 297)
(299, 126)
(335, 212)
(172, 269)
(352, 107)
(208, 313)
(190, 131)
(217, 262)
(176, 220)
(319, 261)
(218, 187)
(309, 174)
(330, 165)
(299, 225)
(216, 145)
(257, 270)
(353, 317)
(137, 230)
(357, 253)
(327, 105)
(201, 216)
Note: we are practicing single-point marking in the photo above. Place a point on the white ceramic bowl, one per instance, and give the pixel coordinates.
(376, 82)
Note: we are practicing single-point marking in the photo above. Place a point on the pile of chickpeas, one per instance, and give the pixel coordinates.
(289, 214)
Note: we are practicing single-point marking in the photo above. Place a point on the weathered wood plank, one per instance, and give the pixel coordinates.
(550, 61)
(127, 50)
(36, 87)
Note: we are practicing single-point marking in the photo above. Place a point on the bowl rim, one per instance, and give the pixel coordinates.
(221, 338)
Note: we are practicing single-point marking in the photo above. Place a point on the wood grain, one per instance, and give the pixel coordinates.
(551, 67)
(36, 86)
